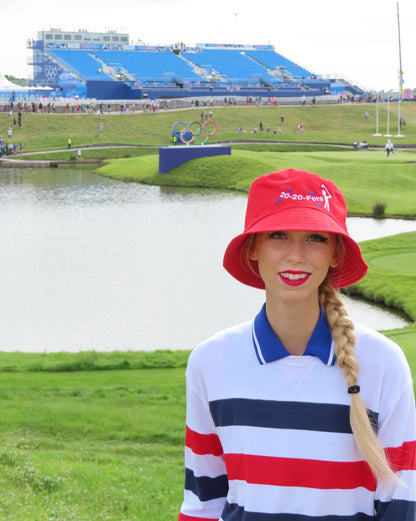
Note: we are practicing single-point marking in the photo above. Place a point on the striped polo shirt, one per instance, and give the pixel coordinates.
(268, 436)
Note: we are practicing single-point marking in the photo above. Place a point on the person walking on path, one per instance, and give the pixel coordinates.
(69, 142)
(299, 413)
(389, 148)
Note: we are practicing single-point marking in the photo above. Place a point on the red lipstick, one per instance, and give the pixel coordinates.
(294, 278)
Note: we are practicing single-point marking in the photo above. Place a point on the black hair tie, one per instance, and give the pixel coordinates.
(353, 389)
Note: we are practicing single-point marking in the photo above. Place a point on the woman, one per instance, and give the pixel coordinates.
(299, 414)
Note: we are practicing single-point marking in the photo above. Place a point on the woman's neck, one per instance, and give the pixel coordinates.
(293, 323)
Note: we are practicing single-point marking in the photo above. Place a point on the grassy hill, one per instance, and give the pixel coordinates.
(322, 124)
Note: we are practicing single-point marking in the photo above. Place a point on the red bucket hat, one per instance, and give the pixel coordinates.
(294, 200)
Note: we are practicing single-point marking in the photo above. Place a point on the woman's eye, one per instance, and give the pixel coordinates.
(316, 237)
(276, 235)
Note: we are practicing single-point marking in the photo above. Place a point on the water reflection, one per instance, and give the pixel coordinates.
(92, 263)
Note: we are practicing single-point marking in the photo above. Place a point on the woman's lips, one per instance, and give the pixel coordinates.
(294, 278)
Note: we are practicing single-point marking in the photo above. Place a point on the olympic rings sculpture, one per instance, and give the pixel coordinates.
(194, 131)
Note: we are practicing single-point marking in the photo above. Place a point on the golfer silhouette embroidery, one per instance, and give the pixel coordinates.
(327, 196)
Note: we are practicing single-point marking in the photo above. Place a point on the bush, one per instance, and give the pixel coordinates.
(378, 210)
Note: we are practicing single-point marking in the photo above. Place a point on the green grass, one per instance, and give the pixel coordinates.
(391, 272)
(389, 281)
(13, 362)
(92, 445)
(365, 178)
(323, 124)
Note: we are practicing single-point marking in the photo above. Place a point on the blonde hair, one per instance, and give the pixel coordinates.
(344, 339)
(247, 247)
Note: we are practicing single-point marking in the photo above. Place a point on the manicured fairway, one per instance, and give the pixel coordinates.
(402, 263)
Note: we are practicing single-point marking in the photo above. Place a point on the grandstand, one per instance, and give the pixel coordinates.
(108, 66)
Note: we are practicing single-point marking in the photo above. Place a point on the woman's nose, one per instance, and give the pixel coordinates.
(296, 250)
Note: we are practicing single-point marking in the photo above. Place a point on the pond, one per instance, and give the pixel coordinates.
(92, 263)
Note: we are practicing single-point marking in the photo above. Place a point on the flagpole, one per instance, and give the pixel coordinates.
(377, 134)
(400, 73)
(388, 116)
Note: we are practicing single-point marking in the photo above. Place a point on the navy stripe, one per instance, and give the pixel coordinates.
(396, 509)
(283, 415)
(206, 488)
(237, 513)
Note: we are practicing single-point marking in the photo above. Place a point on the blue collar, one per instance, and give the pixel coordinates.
(269, 348)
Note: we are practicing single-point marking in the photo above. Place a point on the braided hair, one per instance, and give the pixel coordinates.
(344, 339)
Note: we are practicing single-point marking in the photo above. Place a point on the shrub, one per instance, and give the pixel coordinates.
(378, 210)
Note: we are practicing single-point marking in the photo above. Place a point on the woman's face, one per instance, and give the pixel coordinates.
(293, 264)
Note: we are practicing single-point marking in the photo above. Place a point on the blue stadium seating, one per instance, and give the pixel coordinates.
(81, 61)
(151, 66)
(233, 65)
(273, 60)
(167, 72)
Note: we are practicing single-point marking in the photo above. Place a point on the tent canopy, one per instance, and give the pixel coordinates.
(6, 85)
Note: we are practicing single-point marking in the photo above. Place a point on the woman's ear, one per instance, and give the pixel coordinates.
(250, 248)
(334, 262)
(252, 254)
(338, 253)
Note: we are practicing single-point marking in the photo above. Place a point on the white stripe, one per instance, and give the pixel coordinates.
(257, 347)
(331, 354)
(208, 509)
(299, 500)
(206, 465)
(299, 444)
(397, 491)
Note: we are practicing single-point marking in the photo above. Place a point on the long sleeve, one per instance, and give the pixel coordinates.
(206, 483)
(398, 435)
(386, 382)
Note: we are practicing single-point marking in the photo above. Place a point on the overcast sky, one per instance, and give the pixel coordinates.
(357, 39)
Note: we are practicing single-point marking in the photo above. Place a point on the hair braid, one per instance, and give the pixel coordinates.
(344, 339)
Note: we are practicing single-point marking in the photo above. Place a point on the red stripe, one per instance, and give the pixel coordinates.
(203, 443)
(290, 472)
(183, 517)
(403, 457)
